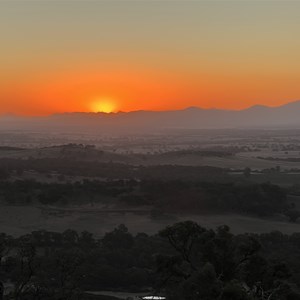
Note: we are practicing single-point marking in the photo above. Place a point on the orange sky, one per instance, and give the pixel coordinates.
(64, 56)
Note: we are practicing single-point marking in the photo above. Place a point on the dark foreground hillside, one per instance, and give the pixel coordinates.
(183, 261)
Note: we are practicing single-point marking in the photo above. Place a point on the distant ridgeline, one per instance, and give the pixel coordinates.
(257, 116)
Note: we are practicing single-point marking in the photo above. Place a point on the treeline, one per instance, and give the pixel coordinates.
(30, 191)
(288, 159)
(50, 265)
(183, 261)
(260, 199)
(109, 170)
(201, 153)
(173, 196)
(9, 148)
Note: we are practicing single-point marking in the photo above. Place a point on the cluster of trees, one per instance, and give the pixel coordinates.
(182, 196)
(183, 261)
(9, 148)
(290, 159)
(219, 265)
(49, 265)
(30, 191)
(166, 196)
(201, 153)
(111, 170)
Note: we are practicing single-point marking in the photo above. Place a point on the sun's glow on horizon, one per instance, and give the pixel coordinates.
(104, 105)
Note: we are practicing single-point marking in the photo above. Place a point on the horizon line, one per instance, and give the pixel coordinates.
(12, 114)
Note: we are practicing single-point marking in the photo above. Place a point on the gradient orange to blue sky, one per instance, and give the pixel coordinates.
(63, 56)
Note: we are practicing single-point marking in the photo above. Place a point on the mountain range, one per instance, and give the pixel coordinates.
(258, 116)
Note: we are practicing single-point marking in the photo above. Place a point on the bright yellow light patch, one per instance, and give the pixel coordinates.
(104, 105)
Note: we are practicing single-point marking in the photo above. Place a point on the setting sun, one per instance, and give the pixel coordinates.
(71, 56)
(104, 105)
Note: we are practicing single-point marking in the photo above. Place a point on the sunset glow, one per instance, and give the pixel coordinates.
(105, 105)
(59, 56)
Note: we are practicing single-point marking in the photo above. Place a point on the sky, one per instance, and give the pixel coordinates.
(64, 56)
